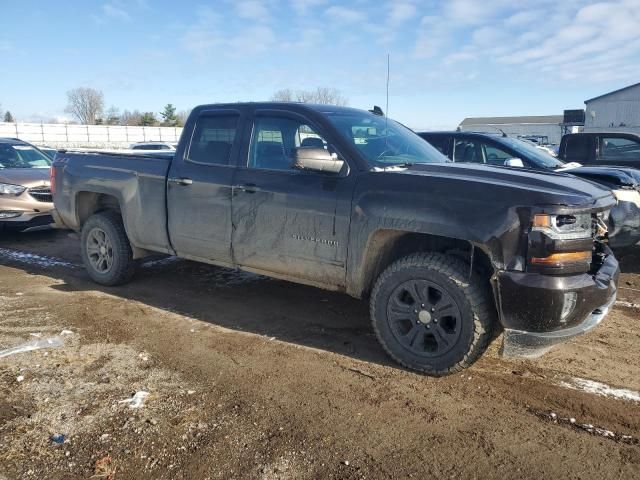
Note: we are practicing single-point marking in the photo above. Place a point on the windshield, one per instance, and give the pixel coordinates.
(22, 156)
(532, 154)
(384, 142)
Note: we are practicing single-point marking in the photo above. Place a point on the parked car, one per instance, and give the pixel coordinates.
(25, 196)
(153, 146)
(601, 148)
(495, 149)
(349, 200)
(48, 151)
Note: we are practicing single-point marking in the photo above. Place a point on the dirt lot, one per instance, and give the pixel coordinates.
(254, 378)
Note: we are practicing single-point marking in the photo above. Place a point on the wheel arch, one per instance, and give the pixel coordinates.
(88, 203)
(385, 246)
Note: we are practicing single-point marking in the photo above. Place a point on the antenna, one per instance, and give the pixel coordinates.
(388, 71)
(386, 116)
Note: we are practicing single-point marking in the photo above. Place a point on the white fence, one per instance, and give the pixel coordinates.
(87, 136)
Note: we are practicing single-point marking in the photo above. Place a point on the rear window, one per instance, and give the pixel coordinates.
(439, 141)
(213, 139)
(577, 148)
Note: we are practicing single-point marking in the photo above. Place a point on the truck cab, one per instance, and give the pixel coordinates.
(601, 148)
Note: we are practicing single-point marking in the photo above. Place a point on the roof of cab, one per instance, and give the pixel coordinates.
(12, 141)
(321, 108)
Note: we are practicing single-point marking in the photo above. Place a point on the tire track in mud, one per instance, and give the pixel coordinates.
(591, 405)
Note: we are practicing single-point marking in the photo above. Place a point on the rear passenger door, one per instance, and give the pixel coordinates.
(199, 188)
(288, 221)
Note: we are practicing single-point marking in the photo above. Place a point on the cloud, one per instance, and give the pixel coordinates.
(542, 36)
(401, 12)
(115, 11)
(432, 36)
(252, 10)
(472, 12)
(599, 30)
(344, 15)
(302, 7)
(210, 37)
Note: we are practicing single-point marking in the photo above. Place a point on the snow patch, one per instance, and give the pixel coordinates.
(51, 342)
(161, 262)
(587, 427)
(601, 389)
(34, 259)
(622, 303)
(137, 401)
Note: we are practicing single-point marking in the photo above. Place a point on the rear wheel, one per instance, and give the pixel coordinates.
(106, 251)
(430, 316)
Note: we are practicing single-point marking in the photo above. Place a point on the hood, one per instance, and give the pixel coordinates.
(539, 187)
(27, 177)
(612, 177)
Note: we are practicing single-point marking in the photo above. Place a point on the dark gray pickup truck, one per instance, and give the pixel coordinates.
(349, 200)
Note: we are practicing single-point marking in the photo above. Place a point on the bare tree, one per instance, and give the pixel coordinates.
(305, 96)
(329, 96)
(86, 104)
(181, 117)
(112, 116)
(284, 95)
(130, 118)
(323, 95)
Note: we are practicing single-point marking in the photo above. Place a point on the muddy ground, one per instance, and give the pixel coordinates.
(260, 379)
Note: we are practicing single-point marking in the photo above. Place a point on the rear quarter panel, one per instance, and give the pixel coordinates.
(138, 184)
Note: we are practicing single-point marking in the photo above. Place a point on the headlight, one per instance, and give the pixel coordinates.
(9, 189)
(564, 227)
(560, 244)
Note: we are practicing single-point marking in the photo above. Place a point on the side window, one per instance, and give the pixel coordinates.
(213, 138)
(613, 149)
(577, 148)
(495, 155)
(275, 140)
(439, 142)
(467, 151)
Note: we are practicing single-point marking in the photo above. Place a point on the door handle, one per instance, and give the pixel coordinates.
(247, 188)
(180, 181)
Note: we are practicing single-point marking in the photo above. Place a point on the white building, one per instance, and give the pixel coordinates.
(544, 125)
(617, 110)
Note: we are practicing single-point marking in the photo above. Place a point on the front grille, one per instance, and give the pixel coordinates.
(41, 194)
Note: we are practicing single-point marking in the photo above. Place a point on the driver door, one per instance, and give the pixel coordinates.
(291, 222)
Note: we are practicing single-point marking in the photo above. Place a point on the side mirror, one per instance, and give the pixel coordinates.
(514, 162)
(317, 160)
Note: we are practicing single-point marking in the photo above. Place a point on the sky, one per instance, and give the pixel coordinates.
(449, 59)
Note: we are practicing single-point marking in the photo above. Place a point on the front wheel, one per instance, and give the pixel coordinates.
(430, 316)
(106, 251)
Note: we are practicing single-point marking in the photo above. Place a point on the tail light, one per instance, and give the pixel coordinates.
(52, 179)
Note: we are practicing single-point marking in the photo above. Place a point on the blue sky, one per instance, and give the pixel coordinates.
(449, 59)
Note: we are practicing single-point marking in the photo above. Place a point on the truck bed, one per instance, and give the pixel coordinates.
(137, 182)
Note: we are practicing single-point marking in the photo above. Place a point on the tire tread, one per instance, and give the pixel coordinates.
(124, 268)
(475, 290)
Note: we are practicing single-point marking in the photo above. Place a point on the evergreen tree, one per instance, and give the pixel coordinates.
(169, 118)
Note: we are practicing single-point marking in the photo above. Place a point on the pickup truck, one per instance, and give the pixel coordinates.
(499, 149)
(349, 200)
(601, 148)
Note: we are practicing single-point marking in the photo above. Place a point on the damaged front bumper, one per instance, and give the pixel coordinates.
(539, 311)
(624, 219)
